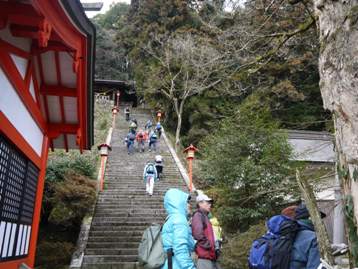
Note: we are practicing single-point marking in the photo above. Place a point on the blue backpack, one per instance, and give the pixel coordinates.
(153, 137)
(150, 169)
(273, 250)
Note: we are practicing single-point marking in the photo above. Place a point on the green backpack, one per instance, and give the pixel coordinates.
(151, 254)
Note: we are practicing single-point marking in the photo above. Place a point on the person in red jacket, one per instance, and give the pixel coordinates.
(141, 138)
(204, 234)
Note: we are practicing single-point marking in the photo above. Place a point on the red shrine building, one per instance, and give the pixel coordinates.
(46, 74)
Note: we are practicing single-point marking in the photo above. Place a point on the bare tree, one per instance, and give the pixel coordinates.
(187, 66)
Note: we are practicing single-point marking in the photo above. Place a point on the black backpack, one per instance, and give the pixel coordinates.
(273, 250)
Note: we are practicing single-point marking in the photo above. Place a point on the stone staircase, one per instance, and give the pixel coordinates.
(123, 209)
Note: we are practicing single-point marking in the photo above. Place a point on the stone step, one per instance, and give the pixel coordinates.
(131, 200)
(126, 207)
(128, 162)
(159, 186)
(133, 212)
(140, 184)
(158, 190)
(121, 220)
(125, 224)
(130, 228)
(124, 215)
(100, 239)
(136, 176)
(116, 233)
(133, 197)
(129, 203)
(166, 167)
(138, 180)
(123, 190)
(112, 251)
(111, 265)
(110, 245)
(118, 212)
(130, 193)
(91, 259)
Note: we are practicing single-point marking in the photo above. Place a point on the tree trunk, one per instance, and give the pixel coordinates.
(177, 133)
(179, 111)
(320, 228)
(338, 67)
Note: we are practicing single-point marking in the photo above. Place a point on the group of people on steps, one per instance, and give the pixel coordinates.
(150, 134)
(290, 241)
(153, 171)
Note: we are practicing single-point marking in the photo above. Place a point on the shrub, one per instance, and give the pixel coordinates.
(54, 254)
(71, 200)
(61, 162)
(235, 252)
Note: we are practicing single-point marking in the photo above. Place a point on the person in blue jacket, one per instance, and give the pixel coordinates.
(150, 176)
(305, 251)
(176, 232)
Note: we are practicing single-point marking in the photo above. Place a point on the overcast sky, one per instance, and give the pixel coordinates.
(106, 5)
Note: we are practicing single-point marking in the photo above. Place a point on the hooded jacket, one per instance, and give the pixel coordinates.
(176, 232)
(305, 251)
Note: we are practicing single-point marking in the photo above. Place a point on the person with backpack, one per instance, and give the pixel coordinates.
(127, 113)
(158, 129)
(273, 250)
(133, 126)
(153, 138)
(159, 164)
(141, 138)
(149, 125)
(204, 234)
(305, 251)
(149, 177)
(130, 141)
(217, 234)
(177, 238)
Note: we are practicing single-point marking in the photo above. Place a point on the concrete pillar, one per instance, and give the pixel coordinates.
(338, 222)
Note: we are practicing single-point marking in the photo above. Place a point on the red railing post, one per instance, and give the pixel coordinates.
(190, 164)
(190, 151)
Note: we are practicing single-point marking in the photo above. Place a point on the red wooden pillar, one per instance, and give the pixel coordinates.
(38, 202)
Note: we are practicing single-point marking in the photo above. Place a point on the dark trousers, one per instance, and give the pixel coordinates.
(159, 170)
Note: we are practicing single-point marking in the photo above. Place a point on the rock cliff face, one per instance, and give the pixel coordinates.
(338, 67)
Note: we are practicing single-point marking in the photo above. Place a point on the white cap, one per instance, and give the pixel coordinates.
(203, 197)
